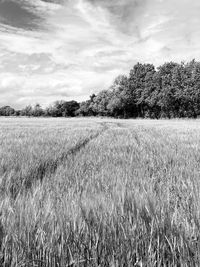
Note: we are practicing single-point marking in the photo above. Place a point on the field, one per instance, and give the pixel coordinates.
(99, 192)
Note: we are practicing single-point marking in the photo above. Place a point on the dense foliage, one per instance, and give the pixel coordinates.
(170, 91)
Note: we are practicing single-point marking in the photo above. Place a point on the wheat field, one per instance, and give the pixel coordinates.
(99, 192)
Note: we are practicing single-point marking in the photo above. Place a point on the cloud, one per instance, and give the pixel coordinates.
(16, 14)
(124, 14)
(46, 88)
(54, 49)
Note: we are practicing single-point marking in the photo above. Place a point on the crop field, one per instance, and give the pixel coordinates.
(99, 192)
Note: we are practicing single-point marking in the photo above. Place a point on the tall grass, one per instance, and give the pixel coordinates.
(98, 192)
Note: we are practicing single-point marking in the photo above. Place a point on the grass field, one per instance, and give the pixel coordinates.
(99, 192)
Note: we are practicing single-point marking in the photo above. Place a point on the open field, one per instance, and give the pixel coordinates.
(99, 192)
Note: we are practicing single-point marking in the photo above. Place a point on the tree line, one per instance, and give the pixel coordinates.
(170, 91)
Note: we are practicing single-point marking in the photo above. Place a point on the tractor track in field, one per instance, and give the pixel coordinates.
(51, 165)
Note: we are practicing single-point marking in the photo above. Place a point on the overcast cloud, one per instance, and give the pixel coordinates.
(68, 49)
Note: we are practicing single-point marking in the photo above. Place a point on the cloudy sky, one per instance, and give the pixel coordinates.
(68, 49)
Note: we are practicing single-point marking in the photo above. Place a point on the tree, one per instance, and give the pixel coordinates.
(171, 90)
(118, 103)
(166, 92)
(62, 109)
(177, 83)
(37, 111)
(192, 89)
(100, 103)
(17, 113)
(86, 107)
(138, 84)
(69, 108)
(58, 108)
(7, 111)
(27, 111)
(51, 111)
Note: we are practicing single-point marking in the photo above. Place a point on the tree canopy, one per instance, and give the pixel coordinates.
(170, 91)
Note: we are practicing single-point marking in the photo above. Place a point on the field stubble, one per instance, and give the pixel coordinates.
(99, 192)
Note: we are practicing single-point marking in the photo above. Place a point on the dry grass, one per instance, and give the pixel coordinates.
(93, 192)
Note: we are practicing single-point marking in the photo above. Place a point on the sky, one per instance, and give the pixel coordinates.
(68, 49)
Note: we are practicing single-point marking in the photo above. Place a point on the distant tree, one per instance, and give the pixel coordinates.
(27, 111)
(166, 90)
(178, 83)
(7, 111)
(70, 108)
(62, 109)
(100, 103)
(172, 90)
(119, 100)
(85, 109)
(192, 89)
(17, 112)
(140, 81)
(196, 90)
(37, 111)
(51, 111)
(58, 108)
